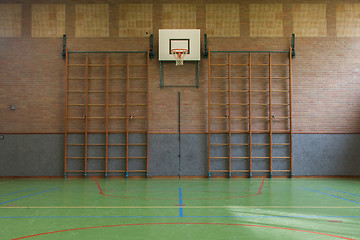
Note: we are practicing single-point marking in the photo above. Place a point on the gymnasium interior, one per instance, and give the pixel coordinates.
(200, 119)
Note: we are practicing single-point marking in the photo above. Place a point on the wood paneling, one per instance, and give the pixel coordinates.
(179, 16)
(48, 20)
(223, 20)
(135, 20)
(348, 20)
(10, 20)
(92, 20)
(266, 20)
(309, 20)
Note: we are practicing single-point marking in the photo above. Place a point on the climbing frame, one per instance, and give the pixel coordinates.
(106, 113)
(249, 113)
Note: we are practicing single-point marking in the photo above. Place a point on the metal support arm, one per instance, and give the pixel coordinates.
(64, 47)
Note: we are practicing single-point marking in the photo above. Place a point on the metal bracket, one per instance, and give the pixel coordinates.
(64, 47)
(293, 53)
(206, 52)
(151, 47)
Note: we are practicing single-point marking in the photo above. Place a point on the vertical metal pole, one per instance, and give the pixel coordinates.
(179, 123)
(127, 115)
(290, 114)
(107, 117)
(209, 121)
(197, 69)
(161, 74)
(66, 110)
(229, 109)
(86, 111)
(148, 114)
(270, 117)
(64, 47)
(250, 130)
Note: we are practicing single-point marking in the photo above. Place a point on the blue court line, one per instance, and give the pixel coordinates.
(28, 196)
(181, 211)
(337, 191)
(263, 216)
(17, 192)
(331, 195)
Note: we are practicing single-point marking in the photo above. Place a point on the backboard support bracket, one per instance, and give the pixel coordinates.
(151, 47)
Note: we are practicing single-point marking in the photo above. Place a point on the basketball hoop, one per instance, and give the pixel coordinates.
(179, 55)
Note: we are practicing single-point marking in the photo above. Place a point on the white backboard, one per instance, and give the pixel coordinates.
(179, 39)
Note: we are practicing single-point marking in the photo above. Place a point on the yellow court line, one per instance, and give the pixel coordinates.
(228, 180)
(157, 207)
(6, 182)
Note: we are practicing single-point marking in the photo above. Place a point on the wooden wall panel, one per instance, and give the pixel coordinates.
(348, 20)
(222, 20)
(48, 20)
(92, 20)
(135, 20)
(10, 20)
(309, 20)
(179, 16)
(266, 20)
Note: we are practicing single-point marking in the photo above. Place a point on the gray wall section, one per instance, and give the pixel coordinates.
(164, 155)
(326, 154)
(32, 155)
(314, 154)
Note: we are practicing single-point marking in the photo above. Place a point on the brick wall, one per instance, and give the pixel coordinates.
(325, 71)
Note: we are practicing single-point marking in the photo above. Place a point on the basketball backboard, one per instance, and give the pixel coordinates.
(188, 39)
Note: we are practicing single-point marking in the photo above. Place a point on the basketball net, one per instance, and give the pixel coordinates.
(179, 55)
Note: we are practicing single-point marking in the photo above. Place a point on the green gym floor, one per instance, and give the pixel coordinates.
(257, 208)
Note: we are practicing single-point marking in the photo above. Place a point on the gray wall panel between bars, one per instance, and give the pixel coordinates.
(326, 154)
(32, 155)
(314, 154)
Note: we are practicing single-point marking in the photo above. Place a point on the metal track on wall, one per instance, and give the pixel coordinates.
(249, 113)
(106, 113)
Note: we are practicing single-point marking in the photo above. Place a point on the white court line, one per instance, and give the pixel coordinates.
(164, 207)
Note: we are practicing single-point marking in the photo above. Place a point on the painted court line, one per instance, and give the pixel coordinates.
(17, 192)
(331, 195)
(207, 224)
(4, 182)
(101, 192)
(343, 192)
(28, 196)
(255, 216)
(181, 211)
(159, 207)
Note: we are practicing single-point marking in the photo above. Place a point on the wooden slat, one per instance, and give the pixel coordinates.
(290, 111)
(107, 115)
(250, 126)
(127, 113)
(86, 110)
(229, 109)
(66, 109)
(270, 115)
(209, 119)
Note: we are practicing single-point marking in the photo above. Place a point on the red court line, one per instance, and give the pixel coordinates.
(149, 224)
(108, 195)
